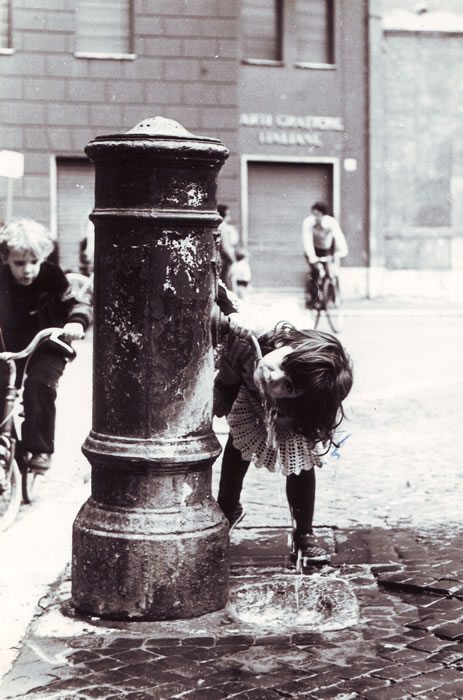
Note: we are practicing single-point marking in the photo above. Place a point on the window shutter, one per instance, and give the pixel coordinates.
(103, 26)
(261, 30)
(313, 31)
(5, 24)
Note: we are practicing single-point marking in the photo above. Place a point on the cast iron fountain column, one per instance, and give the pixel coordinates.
(151, 543)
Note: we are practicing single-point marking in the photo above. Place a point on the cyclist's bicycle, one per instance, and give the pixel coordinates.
(322, 295)
(17, 475)
(81, 285)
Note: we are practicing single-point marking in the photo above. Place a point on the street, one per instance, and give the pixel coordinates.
(400, 465)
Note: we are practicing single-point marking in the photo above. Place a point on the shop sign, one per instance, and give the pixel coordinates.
(291, 129)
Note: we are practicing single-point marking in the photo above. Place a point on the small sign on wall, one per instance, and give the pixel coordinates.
(350, 165)
(11, 164)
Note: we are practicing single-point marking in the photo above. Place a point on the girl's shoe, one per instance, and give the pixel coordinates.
(310, 552)
(236, 517)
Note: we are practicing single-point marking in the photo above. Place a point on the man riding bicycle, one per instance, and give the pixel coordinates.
(322, 237)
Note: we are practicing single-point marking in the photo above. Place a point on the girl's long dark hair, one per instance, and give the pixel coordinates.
(320, 367)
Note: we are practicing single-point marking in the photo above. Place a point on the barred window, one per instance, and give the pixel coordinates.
(313, 35)
(262, 29)
(104, 26)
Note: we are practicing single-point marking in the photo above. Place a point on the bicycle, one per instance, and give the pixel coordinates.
(324, 295)
(17, 475)
(81, 285)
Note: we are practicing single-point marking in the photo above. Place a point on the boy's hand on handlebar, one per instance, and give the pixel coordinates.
(73, 331)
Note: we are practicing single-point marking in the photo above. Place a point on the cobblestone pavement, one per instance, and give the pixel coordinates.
(389, 511)
(406, 640)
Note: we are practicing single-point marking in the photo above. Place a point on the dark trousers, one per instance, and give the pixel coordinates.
(43, 372)
(300, 489)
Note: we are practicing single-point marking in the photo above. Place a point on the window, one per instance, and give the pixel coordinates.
(313, 31)
(262, 30)
(103, 27)
(5, 24)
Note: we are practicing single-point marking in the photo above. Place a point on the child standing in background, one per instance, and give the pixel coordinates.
(240, 273)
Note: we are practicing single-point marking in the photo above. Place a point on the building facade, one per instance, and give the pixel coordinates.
(303, 134)
(71, 70)
(353, 102)
(416, 147)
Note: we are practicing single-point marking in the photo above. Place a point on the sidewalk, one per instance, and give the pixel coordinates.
(402, 639)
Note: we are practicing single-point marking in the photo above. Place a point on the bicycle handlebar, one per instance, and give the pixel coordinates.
(52, 334)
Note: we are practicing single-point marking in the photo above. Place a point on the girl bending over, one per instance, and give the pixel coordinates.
(282, 410)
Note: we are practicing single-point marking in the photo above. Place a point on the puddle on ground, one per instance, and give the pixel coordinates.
(313, 603)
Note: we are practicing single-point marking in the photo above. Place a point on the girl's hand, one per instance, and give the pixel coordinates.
(73, 331)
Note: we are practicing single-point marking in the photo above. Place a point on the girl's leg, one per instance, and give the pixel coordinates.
(300, 491)
(234, 469)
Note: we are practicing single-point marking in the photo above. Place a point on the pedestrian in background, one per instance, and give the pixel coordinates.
(35, 294)
(240, 273)
(282, 410)
(228, 241)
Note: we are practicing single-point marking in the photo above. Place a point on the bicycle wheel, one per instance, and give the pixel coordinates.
(333, 307)
(10, 494)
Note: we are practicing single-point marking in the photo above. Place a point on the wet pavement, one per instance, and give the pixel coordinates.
(389, 512)
(403, 640)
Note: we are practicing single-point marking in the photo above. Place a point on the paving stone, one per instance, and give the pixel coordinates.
(199, 641)
(259, 694)
(333, 692)
(451, 631)
(142, 694)
(429, 643)
(379, 569)
(450, 655)
(160, 642)
(102, 664)
(203, 694)
(456, 688)
(273, 639)
(444, 586)
(446, 675)
(81, 656)
(360, 685)
(419, 685)
(398, 672)
(448, 605)
(297, 687)
(408, 655)
(393, 692)
(236, 639)
(134, 656)
(126, 642)
(98, 691)
(197, 654)
(426, 625)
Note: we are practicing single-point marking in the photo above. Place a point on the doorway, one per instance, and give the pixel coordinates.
(279, 195)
